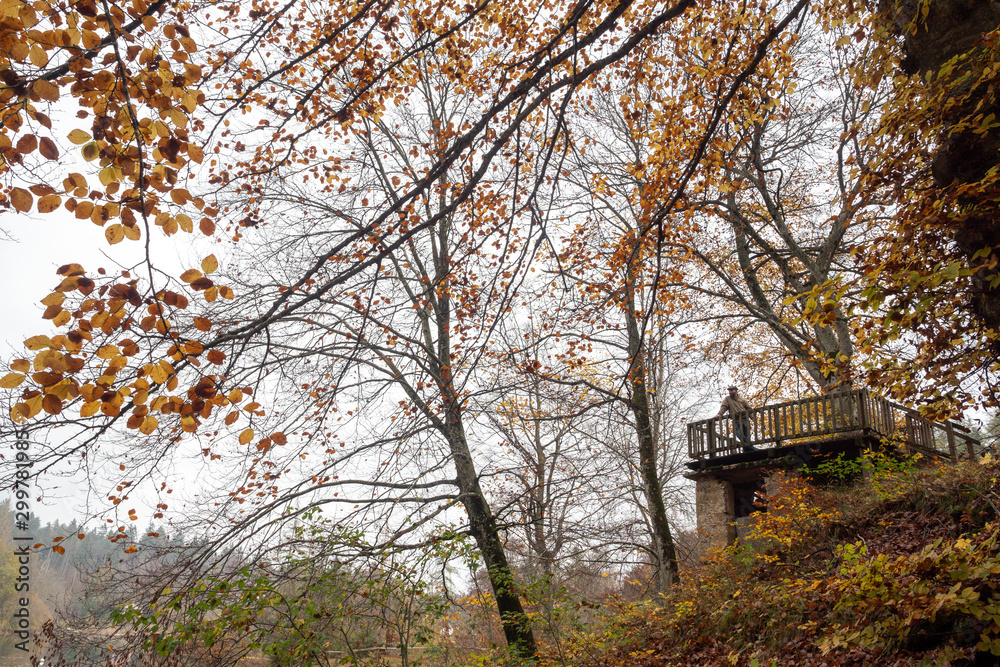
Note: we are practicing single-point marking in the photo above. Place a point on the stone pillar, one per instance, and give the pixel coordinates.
(715, 505)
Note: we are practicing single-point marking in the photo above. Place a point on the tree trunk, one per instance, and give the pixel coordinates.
(663, 543)
(482, 525)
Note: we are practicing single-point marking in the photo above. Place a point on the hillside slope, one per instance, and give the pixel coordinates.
(900, 567)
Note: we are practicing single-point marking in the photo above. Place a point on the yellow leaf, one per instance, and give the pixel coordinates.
(191, 275)
(21, 365)
(110, 174)
(38, 343)
(180, 196)
(108, 352)
(148, 425)
(114, 233)
(62, 318)
(11, 380)
(209, 264)
(158, 373)
(246, 436)
(54, 299)
(38, 56)
(79, 137)
(132, 233)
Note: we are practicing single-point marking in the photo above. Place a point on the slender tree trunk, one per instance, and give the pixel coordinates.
(664, 552)
(482, 525)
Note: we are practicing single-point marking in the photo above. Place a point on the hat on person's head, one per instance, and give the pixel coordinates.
(731, 387)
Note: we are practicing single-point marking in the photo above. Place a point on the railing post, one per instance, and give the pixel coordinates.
(950, 431)
(711, 438)
(911, 437)
(861, 396)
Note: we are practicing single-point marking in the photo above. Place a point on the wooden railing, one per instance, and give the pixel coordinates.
(825, 417)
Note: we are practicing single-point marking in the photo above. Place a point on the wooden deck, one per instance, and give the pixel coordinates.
(843, 421)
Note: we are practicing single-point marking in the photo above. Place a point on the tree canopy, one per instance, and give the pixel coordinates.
(432, 225)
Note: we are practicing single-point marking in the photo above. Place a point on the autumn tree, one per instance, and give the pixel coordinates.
(620, 248)
(339, 366)
(778, 230)
(931, 276)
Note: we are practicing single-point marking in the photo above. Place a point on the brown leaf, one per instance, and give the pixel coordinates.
(27, 144)
(51, 404)
(48, 149)
(21, 199)
(45, 90)
(202, 283)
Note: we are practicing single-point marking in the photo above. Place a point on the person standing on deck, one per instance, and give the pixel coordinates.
(738, 408)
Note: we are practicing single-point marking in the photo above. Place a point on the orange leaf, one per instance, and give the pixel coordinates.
(216, 356)
(246, 436)
(49, 203)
